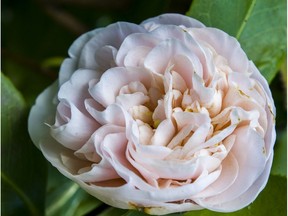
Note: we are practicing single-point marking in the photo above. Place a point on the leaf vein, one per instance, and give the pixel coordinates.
(21, 194)
(247, 16)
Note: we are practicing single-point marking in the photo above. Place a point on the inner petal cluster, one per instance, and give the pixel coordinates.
(172, 104)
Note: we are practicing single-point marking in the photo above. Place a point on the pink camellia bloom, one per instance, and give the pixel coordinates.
(166, 116)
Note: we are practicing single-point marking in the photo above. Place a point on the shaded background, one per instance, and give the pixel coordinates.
(36, 35)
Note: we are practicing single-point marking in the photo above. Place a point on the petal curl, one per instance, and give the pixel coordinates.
(106, 90)
(72, 128)
(113, 35)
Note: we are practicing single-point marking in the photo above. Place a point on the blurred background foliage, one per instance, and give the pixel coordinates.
(36, 35)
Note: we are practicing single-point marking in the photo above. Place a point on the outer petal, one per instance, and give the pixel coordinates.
(132, 42)
(113, 35)
(72, 128)
(161, 57)
(171, 19)
(248, 150)
(43, 114)
(224, 45)
(69, 65)
(228, 176)
(76, 89)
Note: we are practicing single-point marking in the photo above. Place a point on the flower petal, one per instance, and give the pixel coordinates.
(171, 19)
(76, 89)
(72, 128)
(43, 114)
(106, 90)
(229, 173)
(251, 163)
(224, 45)
(113, 35)
(111, 115)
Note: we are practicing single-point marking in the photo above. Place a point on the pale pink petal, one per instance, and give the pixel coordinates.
(205, 95)
(106, 90)
(42, 114)
(70, 65)
(164, 133)
(162, 56)
(251, 194)
(78, 45)
(234, 97)
(72, 128)
(251, 163)
(190, 118)
(159, 112)
(178, 139)
(171, 19)
(224, 45)
(136, 57)
(178, 82)
(111, 115)
(67, 68)
(257, 75)
(113, 35)
(127, 101)
(184, 67)
(173, 169)
(105, 57)
(229, 173)
(76, 89)
(199, 136)
(97, 173)
(135, 41)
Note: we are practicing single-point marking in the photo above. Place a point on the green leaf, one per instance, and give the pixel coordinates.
(279, 166)
(138, 213)
(113, 212)
(23, 169)
(283, 71)
(66, 198)
(52, 62)
(271, 201)
(260, 27)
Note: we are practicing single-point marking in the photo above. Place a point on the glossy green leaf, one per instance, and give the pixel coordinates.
(279, 166)
(66, 198)
(23, 169)
(283, 71)
(260, 27)
(137, 213)
(113, 212)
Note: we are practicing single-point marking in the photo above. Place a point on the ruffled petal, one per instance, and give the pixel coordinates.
(224, 45)
(251, 164)
(72, 128)
(106, 90)
(111, 115)
(162, 56)
(113, 35)
(229, 173)
(132, 42)
(75, 91)
(171, 19)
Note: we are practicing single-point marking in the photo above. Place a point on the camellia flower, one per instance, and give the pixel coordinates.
(165, 116)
